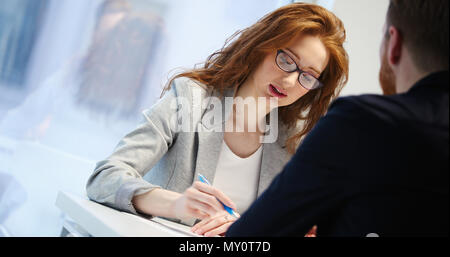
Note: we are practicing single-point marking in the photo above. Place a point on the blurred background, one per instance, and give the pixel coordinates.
(76, 74)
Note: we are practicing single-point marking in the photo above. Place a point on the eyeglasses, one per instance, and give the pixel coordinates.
(285, 63)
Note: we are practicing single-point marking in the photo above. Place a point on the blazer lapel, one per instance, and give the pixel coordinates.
(210, 137)
(275, 157)
(209, 145)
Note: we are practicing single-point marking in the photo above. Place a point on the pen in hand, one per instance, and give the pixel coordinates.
(228, 209)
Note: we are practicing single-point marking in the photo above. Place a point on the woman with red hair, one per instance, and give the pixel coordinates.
(287, 67)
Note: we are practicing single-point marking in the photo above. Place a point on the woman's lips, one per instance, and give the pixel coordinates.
(277, 91)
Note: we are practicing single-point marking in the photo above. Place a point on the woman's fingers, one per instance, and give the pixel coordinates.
(312, 232)
(194, 193)
(219, 230)
(214, 192)
(195, 204)
(201, 201)
(214, 225)
(202, 223)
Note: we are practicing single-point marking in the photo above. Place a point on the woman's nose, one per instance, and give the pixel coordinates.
(290, 79)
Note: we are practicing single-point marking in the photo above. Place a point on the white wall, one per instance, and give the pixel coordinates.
(66, 31)
(363, 20)
(198, 28)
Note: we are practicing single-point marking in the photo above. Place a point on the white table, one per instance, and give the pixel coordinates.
(100, 220)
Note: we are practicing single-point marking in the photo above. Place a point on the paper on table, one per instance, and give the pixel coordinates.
(167, 225)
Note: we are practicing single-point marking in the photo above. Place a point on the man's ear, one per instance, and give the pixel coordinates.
(394, 50)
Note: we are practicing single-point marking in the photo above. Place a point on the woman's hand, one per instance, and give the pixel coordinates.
(200, 201)
(312, 232)
(214, 225)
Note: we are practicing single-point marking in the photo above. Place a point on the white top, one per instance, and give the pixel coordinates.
(238, 177)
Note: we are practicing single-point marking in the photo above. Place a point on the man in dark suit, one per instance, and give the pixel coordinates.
(374, 165)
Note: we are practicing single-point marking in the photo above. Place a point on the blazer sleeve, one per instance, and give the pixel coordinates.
(118, 178)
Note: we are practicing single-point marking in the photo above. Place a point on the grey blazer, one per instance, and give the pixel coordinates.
(157, 155)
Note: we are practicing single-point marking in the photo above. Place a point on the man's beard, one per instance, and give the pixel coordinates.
(387, 77)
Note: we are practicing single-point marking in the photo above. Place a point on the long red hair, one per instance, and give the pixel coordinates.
(246, 49)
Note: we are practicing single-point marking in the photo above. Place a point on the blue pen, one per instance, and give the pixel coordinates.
(228, 209)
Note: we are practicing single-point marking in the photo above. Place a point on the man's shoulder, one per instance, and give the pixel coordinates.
(362, 102)
(371, 106)
(349, 120)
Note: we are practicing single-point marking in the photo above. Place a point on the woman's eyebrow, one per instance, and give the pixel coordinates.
(298, 59)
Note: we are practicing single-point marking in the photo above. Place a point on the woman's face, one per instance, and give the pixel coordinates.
(308, 53)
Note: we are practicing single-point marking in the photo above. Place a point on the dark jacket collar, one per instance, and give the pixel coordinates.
(436, 81)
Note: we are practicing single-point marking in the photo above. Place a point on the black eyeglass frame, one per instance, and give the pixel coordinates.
(318, 83)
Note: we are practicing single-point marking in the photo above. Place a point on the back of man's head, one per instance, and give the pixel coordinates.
(423, 25)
